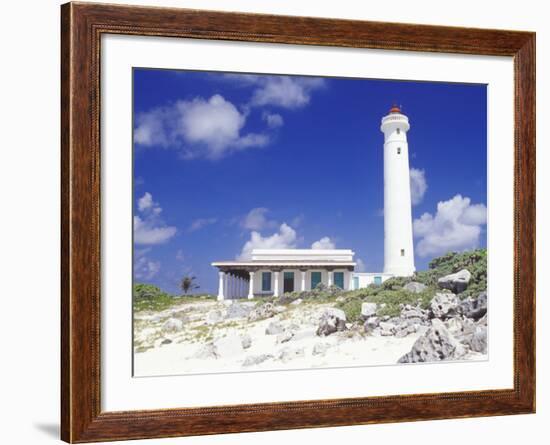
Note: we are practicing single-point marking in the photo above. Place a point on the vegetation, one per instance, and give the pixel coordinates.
(188, 284)
(390, 295)
(148, 297)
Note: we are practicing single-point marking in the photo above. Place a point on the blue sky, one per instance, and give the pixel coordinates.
(224, 163)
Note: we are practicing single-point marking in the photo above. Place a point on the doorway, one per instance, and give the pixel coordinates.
(288, 282)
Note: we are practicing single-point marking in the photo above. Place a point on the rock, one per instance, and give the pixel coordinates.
(320, 348)
(412, 313)
(474, 307)
(256, 359)
(261, 312)
(246, 341)
(415, 287)
(455, 282)
(274, 328)
(371, 323)
(278, 309)
(206, 352)
(166, 341)
(368, 310)
(386, 328)
(238, 310)
(285, 336)
(172, 325)
(229, 346)
(331, 321)
(436, 344)
(288, 354)
(444, 305)
(214, 316)
(478, 341)
(297, 302)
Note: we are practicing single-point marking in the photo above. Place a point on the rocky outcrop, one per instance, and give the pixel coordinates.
(332, 320)
(455, 282)
(415, 287)
(444, 305)
(262, 312)
(474, 308)
(239, 310)
(436, 344)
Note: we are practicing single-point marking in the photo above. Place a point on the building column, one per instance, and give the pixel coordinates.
(350, 280)
(251, 286)
(303, 281)
(221, 285)
(330, 276)
(276, 284)
(231, 286)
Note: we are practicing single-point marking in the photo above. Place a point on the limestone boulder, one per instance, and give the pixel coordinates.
(455, 282)
(474, 308)
(437, 344)
(444, 305)
(332, 320)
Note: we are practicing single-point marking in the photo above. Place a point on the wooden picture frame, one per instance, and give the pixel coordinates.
(82, 26)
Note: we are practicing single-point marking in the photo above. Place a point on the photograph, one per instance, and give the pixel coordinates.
(285, 222)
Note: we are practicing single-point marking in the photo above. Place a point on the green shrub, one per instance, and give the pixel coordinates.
(148, 297)
(351, 307)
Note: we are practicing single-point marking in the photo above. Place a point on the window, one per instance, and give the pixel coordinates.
(266, 281)
(399, 131)
(377, 280)
(315, 279)
(355, 283)
(398, 150)
(402, 252)
(339, 279)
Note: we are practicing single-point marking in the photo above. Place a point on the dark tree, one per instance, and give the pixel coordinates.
(187, 284)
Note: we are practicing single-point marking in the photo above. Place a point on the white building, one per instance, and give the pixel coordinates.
(278, 271)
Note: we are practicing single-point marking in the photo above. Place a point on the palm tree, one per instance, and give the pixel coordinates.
(187, 284)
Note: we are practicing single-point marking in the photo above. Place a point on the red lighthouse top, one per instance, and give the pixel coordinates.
(395, 109)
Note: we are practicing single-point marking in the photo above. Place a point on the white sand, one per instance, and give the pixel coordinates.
(178, 357)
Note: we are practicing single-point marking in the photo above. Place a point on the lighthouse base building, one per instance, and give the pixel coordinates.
(273, 272)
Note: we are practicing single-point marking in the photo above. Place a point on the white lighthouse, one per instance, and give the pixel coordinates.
(398, 235)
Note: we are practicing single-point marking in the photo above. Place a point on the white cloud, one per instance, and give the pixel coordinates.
(201, 223)
(256, 219)
(273, 120)
(145, 202)
(285, 238)
(455, 226)
(200, 128)
(148, 227)
(418, 185)
(180, 255)
(360, 265)
(281, 91)
(144, 268)
(324, 243)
